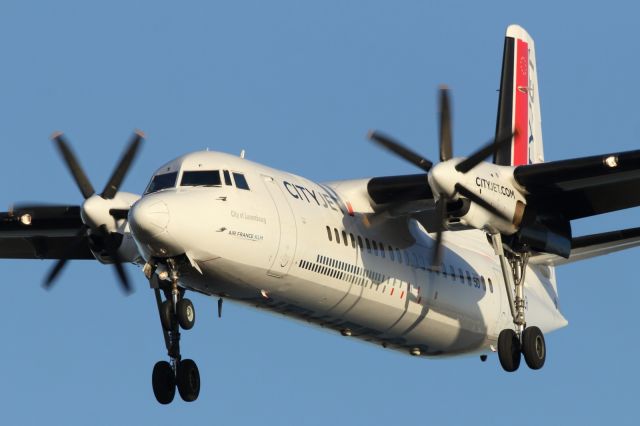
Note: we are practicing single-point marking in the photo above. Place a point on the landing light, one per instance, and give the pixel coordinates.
(26, 219)
(611, 161)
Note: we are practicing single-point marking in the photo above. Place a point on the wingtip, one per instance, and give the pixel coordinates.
(140, 133)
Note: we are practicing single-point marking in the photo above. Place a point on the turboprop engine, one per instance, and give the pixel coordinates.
(470, 192)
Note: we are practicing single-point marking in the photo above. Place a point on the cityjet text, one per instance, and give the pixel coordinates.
(495, 187)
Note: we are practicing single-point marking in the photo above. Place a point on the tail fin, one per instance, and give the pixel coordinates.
(519, 104)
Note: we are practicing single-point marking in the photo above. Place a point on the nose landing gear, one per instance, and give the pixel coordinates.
(175, 312)
(528, 341)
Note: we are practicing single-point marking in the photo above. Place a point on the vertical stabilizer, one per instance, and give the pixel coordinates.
(519, 103)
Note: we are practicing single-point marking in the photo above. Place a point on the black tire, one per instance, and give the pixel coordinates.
(188, 380)
(186, 314)
(167, 318)
(509, 350)
(534, 348)
(164, 382)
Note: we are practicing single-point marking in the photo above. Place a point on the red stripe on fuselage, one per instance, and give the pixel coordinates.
(520, 140)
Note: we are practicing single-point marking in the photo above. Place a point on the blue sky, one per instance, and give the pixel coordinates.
(297, 85)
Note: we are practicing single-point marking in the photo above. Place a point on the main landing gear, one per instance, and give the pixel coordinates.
(176, 312)
(527, 341)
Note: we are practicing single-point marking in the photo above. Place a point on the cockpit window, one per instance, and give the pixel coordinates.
(166, 180)
(201, 178)
(241, 181)
(227, 178)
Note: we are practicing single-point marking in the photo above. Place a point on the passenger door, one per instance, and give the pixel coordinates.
(288, 234)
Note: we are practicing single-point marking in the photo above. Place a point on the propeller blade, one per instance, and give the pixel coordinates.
(110, 244)
(60, 264)
(479, 156)
(53, 274)
(74, 166)
(462, 190)
(441, 213)
(400, 150)
(446, 144)
(112, 186)
(122, 274)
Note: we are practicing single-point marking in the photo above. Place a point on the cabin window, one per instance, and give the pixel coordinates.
(353, 241)
(241, 181)
(163, 181)
(452, 272)
(201, 178)
(375, 247)
(337, 235)
(399, 256)
(329, 233)
(468, 277)
(484, 284)
(391, 255)
(344, 238)
(227, 178)
(490, 285)
(461, 275)
(360, 242)
(476, 281)
(366, 240)
(381, 249)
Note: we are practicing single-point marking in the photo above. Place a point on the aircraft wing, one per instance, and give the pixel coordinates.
(574, 188)
(43, 232)
(594, 245)
(583, 187)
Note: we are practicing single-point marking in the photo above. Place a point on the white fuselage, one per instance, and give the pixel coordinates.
(303, 249)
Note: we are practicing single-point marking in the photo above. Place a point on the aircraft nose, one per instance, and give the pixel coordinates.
(148, 218)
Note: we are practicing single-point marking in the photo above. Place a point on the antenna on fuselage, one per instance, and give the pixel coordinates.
(242, 154)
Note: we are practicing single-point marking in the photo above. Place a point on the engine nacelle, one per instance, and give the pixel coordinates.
(492, 184)
(98, 213)
(543, 234)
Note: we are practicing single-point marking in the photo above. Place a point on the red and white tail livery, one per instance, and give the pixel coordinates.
(519, 105)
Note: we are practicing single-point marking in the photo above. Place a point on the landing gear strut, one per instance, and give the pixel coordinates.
(175, 312)
(528, 341)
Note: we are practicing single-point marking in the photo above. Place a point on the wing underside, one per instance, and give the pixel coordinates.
(583, 187)
(594, 245)
(47, 232)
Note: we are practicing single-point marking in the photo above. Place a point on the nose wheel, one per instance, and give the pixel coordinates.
(175, 312)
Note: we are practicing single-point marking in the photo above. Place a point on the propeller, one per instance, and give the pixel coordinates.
(446, 153)
(446, 136)
(400, 150)
(98, 236)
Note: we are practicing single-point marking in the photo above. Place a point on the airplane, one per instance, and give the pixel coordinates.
(457, 259)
